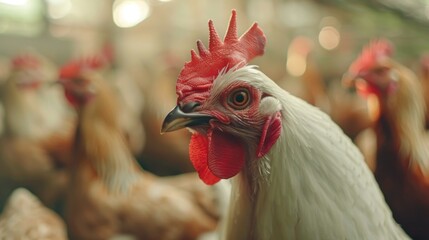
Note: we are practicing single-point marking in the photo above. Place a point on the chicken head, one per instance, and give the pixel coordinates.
(231, 119)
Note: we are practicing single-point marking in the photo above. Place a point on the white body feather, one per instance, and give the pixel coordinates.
(313, 184)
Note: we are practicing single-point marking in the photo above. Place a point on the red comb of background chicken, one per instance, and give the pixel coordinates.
(74, 68)
(424, 63)
(198, 74)
(371, 54)
(25, 61)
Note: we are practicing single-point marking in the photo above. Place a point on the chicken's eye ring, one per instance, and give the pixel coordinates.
(239, 99)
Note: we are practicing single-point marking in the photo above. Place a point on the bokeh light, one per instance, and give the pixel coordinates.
(129, 13)
(329, 37)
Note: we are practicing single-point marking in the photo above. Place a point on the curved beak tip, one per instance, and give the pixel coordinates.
(176, 119)
(165, 126)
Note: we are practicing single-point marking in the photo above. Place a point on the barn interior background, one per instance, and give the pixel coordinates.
(310, 45)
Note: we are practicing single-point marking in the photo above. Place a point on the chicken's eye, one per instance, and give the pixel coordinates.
(239, 99)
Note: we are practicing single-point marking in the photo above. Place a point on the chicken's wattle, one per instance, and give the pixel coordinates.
(218, 155)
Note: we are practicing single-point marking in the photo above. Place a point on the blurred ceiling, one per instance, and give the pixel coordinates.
(161, 32)
(413, 10)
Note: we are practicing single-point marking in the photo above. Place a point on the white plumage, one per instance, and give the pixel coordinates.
(313, 184)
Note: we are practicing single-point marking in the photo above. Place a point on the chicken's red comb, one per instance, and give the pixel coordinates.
(198, 74)
(74, 68)
(424, 63)
(371, 54)
(27, 61)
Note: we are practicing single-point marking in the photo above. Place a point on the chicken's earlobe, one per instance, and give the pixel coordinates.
(270, 133)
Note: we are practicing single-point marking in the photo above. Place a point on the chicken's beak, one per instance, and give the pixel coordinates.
(177, 119)
(349, 79)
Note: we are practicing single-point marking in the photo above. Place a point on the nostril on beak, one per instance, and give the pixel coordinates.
(189, 107)
(177, 118)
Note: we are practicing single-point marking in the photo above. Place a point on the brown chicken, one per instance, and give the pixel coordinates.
(37, 131)
(128, 93)
(25, 217)
(110, 194)
(402, 167)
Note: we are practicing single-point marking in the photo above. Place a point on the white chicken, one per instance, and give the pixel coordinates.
(294, 173)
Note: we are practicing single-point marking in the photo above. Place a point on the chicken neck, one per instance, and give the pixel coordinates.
(101, 146)
(402, 158)
(400, 128)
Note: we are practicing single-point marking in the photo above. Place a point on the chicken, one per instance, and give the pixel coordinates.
(424, 63)
(109, 193)
(294, 173)
(402, 157)
(37, 131)
(127, 91)
(24, 217)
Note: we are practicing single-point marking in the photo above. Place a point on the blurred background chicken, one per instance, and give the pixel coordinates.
(36, 137)
(129, 96)
(25, 217)
(402, 157)
(109, 193)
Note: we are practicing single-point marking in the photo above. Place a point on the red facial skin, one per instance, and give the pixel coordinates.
(372, 66)
(236, 134)
(73, 76)
(225, 112)
(377, 81)
(77, 91)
